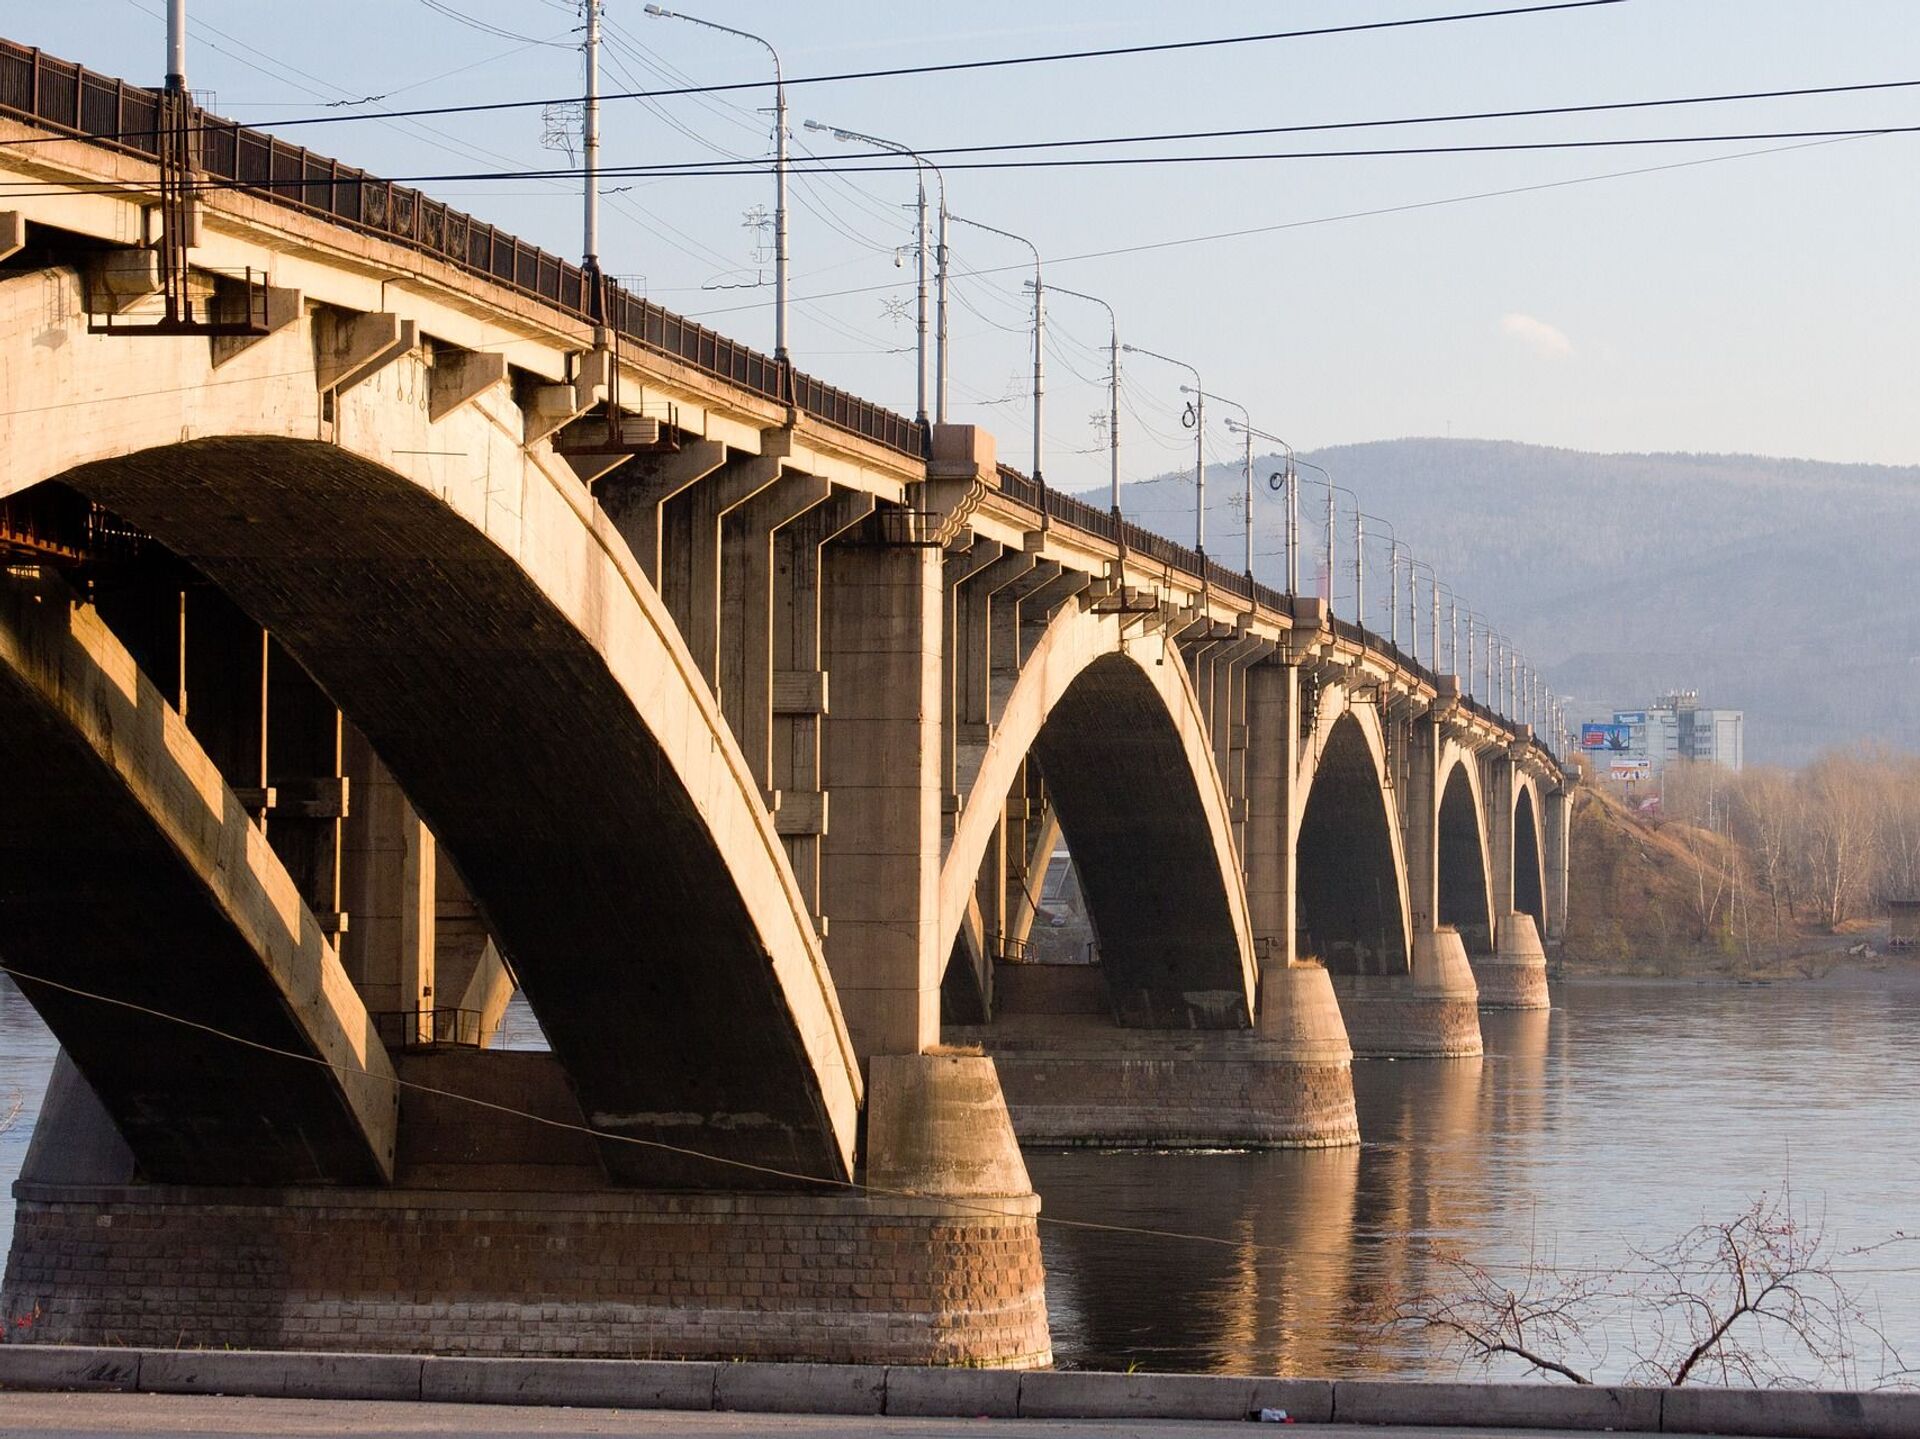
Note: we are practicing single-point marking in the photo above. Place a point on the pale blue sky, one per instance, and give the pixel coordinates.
(1765, 304)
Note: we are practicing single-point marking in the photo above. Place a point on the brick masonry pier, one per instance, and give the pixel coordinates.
(1072, 1076)
(505, 1238)
(707, 1276)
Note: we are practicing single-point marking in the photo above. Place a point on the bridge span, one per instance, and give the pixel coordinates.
(391, 623)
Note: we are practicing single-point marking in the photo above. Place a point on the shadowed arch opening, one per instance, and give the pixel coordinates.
(1132, 815)
(634, 936)
(1464, 900)
(1529, 880)
(1351, 905)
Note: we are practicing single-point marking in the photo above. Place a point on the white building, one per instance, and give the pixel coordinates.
(1637, 744)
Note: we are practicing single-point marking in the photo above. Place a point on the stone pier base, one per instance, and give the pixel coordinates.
(502, 1242)
(1515, 976)
(1074, 1077)
(607, 1275)
(1434, 1013)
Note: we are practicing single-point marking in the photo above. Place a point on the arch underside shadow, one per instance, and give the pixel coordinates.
(588, 857)
(1465, 900)
(134, 895)
(1352, 895)
(1529, 867)
(1132, 814)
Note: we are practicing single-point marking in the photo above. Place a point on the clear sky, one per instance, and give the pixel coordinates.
(1764, 304)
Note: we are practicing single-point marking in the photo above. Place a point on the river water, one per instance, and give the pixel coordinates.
(1610, 1124)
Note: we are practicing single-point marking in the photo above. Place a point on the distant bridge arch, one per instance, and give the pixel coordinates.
(1123, 744)
(1529, 853)
(1465, 867)
(1353, 892)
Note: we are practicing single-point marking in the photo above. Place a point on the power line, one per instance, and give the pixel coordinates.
(954, 66)
(475, 23)
(1324, 126)
(1341, 217)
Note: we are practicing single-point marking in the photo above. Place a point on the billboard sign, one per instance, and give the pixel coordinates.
(1630, 769)
(1612, 738)
(1630, 717)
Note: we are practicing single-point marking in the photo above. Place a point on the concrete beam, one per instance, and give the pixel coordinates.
(352, 348)
(13, 233)
(633, 499)
(284, 308)
(460, 377)
(119, 280)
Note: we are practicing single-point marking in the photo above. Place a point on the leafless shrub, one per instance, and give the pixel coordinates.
(1760, 1299)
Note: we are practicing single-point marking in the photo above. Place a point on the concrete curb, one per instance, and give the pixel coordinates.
(989, 1393)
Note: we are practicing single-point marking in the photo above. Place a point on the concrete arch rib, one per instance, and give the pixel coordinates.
(1529, 854)
(1353, 893)
(1465, 866)
(129, 869)
(467, 605)
(1123, 745)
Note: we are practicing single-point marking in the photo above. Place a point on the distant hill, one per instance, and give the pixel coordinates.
(1787, 588)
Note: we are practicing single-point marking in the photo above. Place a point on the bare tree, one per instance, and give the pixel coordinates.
(1753, 1300)
(1765, 815)
(1540, 1320)
(1841, 820)
(1759, 1299)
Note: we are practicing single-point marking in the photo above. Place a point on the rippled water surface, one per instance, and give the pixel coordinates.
(1617, 1120)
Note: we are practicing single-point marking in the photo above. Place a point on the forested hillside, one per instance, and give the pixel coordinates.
(1786, 588)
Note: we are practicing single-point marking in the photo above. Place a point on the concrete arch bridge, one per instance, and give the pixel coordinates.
(382, 635)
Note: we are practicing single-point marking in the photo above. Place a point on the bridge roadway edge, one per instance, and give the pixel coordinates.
(909, 1390)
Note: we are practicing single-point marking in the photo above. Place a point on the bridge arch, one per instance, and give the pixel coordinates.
(453, 589)
(1350, 857)
(1465, 869)
(1121, 739)
(1529, 853)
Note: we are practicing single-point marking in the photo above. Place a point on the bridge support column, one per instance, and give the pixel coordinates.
(1559, 806)
(391, 865)
(1515, 975)
(881, 863)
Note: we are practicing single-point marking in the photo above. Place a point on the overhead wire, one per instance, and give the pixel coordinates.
(993, 63)
(1379, 211)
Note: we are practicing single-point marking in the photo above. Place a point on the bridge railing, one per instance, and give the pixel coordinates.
(1071, 510)
(71, 99)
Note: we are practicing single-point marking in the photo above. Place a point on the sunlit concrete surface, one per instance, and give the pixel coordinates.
(58, 1416)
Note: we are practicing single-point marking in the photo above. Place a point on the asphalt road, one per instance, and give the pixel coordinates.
(166, 1416)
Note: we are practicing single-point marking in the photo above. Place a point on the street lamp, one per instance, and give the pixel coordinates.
(779, 168)
(1433, 594)
(1246, 428)
(1039, 339)
(1332, 519)
(1393, 570)
(1113, 394)
(1199, 444)
(1288, 480)
(920, 166)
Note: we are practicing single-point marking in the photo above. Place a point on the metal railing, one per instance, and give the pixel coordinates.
(428, 1028)
(68, 97)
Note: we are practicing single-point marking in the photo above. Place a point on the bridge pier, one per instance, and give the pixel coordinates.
(1076, 1077)
(1432, 1013)
(502, 1236)
(1514, 976)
